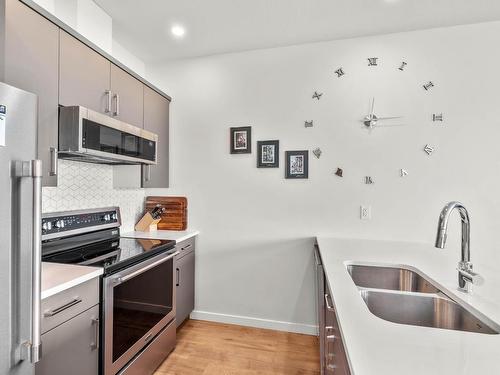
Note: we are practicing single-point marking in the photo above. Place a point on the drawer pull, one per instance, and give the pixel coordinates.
(328, 306)
(66, 306)
(186, 247)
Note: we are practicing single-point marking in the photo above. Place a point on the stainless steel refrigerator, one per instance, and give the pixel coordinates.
(20, 232)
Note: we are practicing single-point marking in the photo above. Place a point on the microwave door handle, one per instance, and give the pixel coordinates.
(122, 279)
(31, 349)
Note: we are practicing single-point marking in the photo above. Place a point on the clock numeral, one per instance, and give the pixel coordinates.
(309, 124)
(403, 65)
(429, 149)
(339, 72)
(372, 61)
(317, 95)
(339, 172)
(369, 180)
(437, 117)
(317, 152)
(428, 85)
(403, 172)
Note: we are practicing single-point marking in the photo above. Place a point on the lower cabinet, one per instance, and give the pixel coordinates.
(333, 356)
(70, 331)
(184, 268)
(73, 347)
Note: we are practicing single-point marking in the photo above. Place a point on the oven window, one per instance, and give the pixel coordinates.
(139, 304)
(102, 138)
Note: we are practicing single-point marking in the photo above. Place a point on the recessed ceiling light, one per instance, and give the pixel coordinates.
(178, 31)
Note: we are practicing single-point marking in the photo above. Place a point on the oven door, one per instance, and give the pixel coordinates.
(138, 303)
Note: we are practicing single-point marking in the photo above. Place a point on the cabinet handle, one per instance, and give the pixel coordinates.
(108, 101)
(331, 368)
(328, 305)
(186, 247)
(60, 309)
(95, 345)
(117, 105)
(178, 276)
(53, 161)
(147, 175)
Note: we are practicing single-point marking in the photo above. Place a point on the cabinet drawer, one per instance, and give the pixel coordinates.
(63, 306)
(185, 247)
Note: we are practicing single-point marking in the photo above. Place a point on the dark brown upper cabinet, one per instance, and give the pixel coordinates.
(156, 120)
(127, 97)
(84, 76)
(31, 63)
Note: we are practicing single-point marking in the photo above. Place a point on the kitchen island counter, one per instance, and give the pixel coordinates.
(375, 346)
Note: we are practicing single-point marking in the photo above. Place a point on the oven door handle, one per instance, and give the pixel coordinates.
(122, 279)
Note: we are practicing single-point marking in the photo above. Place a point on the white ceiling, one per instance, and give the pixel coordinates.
(221, 26)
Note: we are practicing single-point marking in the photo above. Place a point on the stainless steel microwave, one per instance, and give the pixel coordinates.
(89, 136)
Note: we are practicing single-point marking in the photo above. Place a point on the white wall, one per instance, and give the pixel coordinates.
(86, 17)
(127, 58)
(255, 250)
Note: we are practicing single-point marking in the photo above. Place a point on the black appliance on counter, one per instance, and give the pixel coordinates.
(137, 288)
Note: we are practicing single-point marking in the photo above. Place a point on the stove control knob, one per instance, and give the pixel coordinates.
(60, 224)
(114, 216)
(46, 226)
(106, 217)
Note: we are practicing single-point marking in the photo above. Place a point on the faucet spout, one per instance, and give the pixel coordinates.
(464, 266)
(443, 228)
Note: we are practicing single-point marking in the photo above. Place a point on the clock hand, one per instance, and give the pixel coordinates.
(388, 118)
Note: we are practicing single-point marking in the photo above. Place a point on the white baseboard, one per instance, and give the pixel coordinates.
(307, 329)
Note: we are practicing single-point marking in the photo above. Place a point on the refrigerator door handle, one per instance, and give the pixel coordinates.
(32, 349)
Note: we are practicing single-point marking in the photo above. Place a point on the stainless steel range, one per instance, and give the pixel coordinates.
(137, 289)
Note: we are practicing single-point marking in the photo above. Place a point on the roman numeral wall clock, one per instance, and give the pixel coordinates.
(371, 81)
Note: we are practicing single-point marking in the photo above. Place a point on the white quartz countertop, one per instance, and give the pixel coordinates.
(59, 277)
(379, 347)
(177, 236)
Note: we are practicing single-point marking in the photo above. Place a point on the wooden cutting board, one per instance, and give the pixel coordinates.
(175, 217)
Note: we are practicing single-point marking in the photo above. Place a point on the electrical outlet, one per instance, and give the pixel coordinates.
(365, 212)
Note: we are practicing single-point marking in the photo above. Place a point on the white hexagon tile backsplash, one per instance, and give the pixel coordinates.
(85, 185)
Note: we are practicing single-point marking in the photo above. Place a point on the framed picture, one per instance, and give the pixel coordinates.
(241, 140)
(268, 154)
(297, 164)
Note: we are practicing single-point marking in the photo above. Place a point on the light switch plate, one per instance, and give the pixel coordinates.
(365, 212)
(3, 124)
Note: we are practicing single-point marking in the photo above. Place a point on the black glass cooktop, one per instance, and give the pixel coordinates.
(103, 249)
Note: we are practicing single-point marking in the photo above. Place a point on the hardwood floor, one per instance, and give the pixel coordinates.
(206, 348)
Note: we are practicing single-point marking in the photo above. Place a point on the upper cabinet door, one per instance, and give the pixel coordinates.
(31, 64)
(84, 76)
(128, 97)
(156, 120)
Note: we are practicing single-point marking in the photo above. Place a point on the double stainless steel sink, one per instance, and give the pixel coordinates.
(402, 295)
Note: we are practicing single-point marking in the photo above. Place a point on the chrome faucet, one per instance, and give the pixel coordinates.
(465, 274)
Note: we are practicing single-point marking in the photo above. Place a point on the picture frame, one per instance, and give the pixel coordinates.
(297, 164)
(241, 140)
(268, 154)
